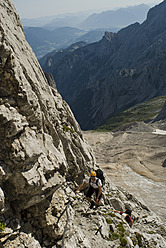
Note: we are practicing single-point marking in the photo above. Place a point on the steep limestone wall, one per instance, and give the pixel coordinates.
(41, 143)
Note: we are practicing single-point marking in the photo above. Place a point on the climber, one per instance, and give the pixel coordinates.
(95, 187)
(127, 216)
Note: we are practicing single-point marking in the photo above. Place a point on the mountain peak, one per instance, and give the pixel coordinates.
(108, 36)
(157, 12)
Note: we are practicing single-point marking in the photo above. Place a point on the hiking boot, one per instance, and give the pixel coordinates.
(92, 204)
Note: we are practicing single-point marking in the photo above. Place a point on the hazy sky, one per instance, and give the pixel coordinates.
(37, 8)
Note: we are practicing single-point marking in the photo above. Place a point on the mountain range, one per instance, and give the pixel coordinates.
(123, 69)
(64, 30)
(44, 41)
(56, 21)
(91, 20)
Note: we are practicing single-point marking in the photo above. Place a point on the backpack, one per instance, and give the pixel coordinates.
(100, 175)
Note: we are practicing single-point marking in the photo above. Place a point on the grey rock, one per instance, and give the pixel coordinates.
(117, 204)
(41, 135)
(23, 241)
(27, 228)
(2, 199)
(41, 143)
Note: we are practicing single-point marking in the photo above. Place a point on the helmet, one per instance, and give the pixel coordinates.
(93, 174)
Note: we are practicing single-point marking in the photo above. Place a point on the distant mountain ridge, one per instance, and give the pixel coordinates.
(62, 20)
(71, 21)
(102, 79)
(116, 18)
(89, 19)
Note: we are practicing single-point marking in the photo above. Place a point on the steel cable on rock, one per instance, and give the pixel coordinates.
(67, 221)
(65, 228)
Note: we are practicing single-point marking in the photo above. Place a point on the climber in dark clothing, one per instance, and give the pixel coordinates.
(95, 187)
(127, 216)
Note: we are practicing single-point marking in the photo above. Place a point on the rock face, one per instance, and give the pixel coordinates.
(41, 143)
(43, 157)
(115, 73)
(39, 135)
